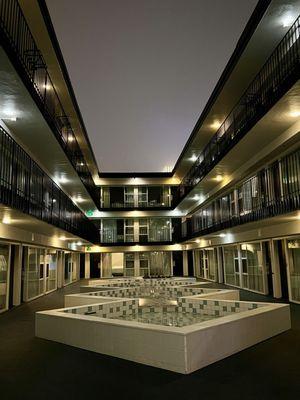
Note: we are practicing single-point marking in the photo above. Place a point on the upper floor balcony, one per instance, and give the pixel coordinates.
(280, 72)
(134, 231)
(24, 186)
(273, 191)
(136, 197)
(20, 46)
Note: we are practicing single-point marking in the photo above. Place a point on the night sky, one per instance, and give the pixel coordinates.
(143, 70)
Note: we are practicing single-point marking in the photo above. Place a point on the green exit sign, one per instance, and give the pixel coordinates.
(90, 213)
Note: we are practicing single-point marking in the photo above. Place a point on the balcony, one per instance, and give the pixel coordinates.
(136, 198)
(273, 191)
(277, 76)
(22, 50)
(135, 231)
(25, 186)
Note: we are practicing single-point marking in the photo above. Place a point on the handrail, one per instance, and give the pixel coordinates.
(27, 188)
(277, 75)
(272, 191)
(21, 46)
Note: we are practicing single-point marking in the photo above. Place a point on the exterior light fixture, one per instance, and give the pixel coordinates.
(62, 238)
(222, 235)
(79, 243)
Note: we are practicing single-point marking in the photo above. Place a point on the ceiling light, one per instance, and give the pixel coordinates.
(6, 220)
(222, 235)
(47, 87)
(287, 20)
(77, 199)
(295, 114)
(219, 178)
(9, 118)
(197, 240)
(79, 243)
(193, 158)
(215, 125)
(61, 179)
(62, 238)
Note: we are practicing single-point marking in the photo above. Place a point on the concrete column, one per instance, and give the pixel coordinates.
(17, 278)
(136, 230)
(136, 264)
(77, 261)
(87, 266)
(220, 265)
(60, 269)
(185, 263)
(275, 268)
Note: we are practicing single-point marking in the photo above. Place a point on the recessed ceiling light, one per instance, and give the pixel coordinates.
(219, 178)
(215, 125)
(295, 114)
(287, 20)
(6, 220)
(193, 158)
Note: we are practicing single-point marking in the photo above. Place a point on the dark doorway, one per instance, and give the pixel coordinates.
(283, 269)
(268, 264)
(177, 263)
(82, 265)
(95, 261)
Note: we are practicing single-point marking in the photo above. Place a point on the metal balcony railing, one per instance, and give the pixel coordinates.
(273, 191)
(152, 236)
(276, 77)
(20, 46)
(25, 186)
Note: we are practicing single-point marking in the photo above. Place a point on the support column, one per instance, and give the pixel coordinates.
(87, 266)
(60, 269)
(136, 264)
(185, 263)
(77, 258)
(220, 265)
(275, 268)
(17, 278)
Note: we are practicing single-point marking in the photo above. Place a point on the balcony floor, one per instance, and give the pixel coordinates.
(32, 368)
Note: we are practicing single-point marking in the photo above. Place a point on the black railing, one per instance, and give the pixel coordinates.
(276, 77)
(273, 191)
(20, 46)
(110, 236)
(151, 197)
(25, 186)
